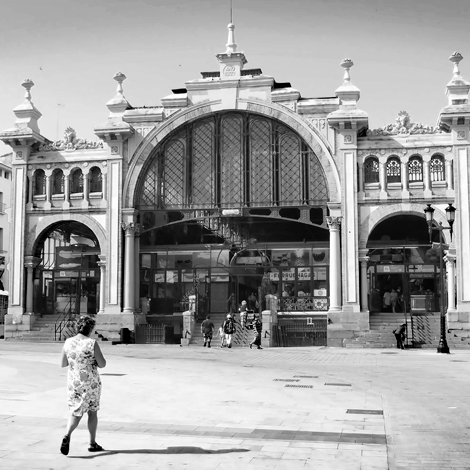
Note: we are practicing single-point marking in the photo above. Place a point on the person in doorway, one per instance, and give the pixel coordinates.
(393, 299)
(400, 335)
(231, 303)
(83, 356)
(399, 304)
(242, 310)
(387, 302)
(252, 301)
(229, 330)
(207, 328)
(257, 328)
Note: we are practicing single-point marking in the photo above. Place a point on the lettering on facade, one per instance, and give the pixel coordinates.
(229, 71)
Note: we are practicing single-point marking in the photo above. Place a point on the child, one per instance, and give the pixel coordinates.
(221, 335)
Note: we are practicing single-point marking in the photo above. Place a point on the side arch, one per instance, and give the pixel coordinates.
(384, 212)
(37, 230)
(290, 119)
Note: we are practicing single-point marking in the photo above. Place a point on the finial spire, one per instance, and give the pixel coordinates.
(456, 58)
(346, 64)
(119, 77)
(27, 85)
(231, 46)
(231, 12)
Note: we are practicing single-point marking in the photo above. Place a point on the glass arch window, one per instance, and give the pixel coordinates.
(371, 170)
(232, 160)
(39, 187)
(58, 181)
(393, 170)
(437, 167)
(415, 169)
(77, 181)
(96, 180)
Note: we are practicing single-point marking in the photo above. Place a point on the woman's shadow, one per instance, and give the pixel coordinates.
(169, 450)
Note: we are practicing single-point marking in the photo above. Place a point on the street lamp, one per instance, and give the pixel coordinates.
(450, 215)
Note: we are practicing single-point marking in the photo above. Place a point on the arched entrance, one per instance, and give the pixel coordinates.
(67, 276)
(403, 263)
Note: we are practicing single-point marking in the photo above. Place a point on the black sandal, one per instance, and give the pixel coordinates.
(65, 446)
(95, 448)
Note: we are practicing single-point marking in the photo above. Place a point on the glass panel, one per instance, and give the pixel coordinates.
(174, 174)
(203, 165)
(96, 180)
(393, 171)
(437, 169)
(291, 176)
(261, 171)
(415, 170)
(150, 187)
(317, 181)
(77, 182)
(231, 161)
(371, 170)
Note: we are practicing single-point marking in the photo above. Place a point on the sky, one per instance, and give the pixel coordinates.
(71, 49)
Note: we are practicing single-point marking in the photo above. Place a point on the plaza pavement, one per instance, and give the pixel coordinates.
(169, 407)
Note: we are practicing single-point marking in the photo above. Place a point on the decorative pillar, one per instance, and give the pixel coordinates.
(129, 266)
(364, 283)
(30, 263)
(404, 178)
(137, 268)
(48, 203)
(449, 174)
(102, 265)
(86, 185)
(383, 178)
(450, 269)
(66, 190)
(334, 224)
(427, 176)
(360, 182)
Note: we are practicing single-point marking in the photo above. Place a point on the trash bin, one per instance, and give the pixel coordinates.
(125, 335)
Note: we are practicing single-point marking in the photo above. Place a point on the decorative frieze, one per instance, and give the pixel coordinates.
(70, 142)
(404, 126)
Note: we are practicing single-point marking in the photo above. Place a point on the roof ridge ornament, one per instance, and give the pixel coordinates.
(27, 84)
(231, 45)
(119, 77)
(456, 58)
(346, 64)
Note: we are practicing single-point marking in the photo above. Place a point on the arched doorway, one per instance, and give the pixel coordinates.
(67, 276)
(402, 261)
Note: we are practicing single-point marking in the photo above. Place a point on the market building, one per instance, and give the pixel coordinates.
(238, 188)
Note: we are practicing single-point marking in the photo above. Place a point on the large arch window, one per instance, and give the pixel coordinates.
(393, 170)
(77, 182)
(58, 181)
(233, 160)
(437, 167)
(371, 170)
(415, 169)
(39, 187)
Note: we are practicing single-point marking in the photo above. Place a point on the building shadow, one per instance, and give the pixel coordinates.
(169, 450)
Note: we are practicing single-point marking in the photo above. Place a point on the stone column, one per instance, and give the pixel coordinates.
(129, 266)
(137, 268)
(360, 182)
(102, 265)
(334, 224)
(404, 177)
(383, 177)
(66, 190)
(364, 283)
(449, 173)
(86, 191)
(48, 203)
(450, 268)
(30, 263)
(427, 176)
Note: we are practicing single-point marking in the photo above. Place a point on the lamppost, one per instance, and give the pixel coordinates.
(450, 215)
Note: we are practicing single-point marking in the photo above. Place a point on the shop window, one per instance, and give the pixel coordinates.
(58, 181)
(77, 182)
(393, 170)
(96, 180)
(371, 170)
(415, 170)
(39, 187)
(437, 167)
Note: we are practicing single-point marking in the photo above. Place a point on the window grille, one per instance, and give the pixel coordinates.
(77, 182)
(203, 165)
(231, 162)
(437, 167)
(393, 170)
(371, 170)
(415, 169)
(261, 168)
(58, 182)
(290, 178)
(174, 173)
(39, 187)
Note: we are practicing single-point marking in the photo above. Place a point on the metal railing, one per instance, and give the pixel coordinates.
(150, 334)
(65, 325)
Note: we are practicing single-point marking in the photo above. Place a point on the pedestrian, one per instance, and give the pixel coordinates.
(207, 328)
(83, 356)
(257, 328)
(393, 299)
(229, 330)
(252, 301)
(242, 311)
(387, 302)
(400, 335)
(221, 335)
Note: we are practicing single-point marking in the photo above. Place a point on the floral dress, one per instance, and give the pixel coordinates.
(84, 384)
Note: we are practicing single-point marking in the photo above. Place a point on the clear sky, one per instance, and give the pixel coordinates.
(72, 48)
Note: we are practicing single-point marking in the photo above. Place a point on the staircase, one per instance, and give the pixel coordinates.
(43, 329)
(241, 338)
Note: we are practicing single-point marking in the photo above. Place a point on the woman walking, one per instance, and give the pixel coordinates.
(83, 356)
(257, 328)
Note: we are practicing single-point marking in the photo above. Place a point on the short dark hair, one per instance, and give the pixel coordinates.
(208, 317)
(85, 325)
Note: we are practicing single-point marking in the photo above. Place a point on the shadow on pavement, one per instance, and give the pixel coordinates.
(169, 450)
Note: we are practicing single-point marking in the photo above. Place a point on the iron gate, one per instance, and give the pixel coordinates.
(301, 331)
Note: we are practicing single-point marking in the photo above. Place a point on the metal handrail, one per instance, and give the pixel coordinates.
(65, 322)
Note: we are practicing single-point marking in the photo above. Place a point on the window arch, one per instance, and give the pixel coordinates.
(393, 170)
(58, 182)
(96, 180)
(415, 169)
(371, 170)
(437, 167)
(77, 181)
(39, 186)
(233, 159)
